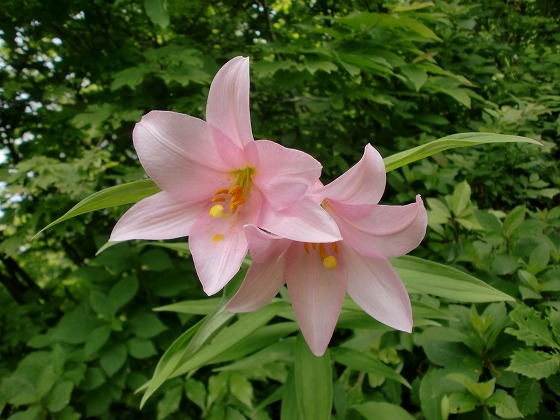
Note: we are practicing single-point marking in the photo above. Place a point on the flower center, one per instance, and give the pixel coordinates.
(233, 197)
(328, 257)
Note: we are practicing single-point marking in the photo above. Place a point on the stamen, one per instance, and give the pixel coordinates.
(334, 247)
(217, 199)
(330, 262)
(216, 211)
(322, 254)
(236, 190)
(222, 191)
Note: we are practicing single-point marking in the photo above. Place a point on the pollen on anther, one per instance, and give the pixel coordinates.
(329, 262)
(216, 211)
(218, 199)
(222, 191)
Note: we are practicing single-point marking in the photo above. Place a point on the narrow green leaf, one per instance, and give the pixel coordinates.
(450, 142)
(313, 382)
(194, 307)
(129, 193)
(227, 338)
(382, 410)
(427, 277)
(187, 344)
(365, 363)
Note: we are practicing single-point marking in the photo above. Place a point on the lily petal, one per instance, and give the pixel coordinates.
(362, 184)
(228, 101)
(218, 249)
(178, 153)
(263, 246)
(388, 231)
(262, 282)
(374, 284)
(303, 221)
(160, 216)
(316, 294)
(283, 175)
(218, 245)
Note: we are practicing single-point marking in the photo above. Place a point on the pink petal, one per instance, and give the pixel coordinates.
(303, 221)
(218, 245)
(263, 246)
(316, 294)
(283, 175)
(178, 153)
(228, 101)
(374, 285)
(388, 231)
(160, 216)
(262, 282)
(364, 183)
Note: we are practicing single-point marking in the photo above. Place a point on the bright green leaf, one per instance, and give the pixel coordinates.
(534, 364)
(118, 195)
(450, 142)
(427, 277)
(313, 382)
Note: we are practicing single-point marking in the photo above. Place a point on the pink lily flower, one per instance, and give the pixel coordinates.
(318, 274)
(215, 178)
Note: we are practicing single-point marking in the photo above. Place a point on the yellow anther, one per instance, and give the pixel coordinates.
(329, 262)
(236, 190)
(222, 191)
(216, 211)
(218, 199)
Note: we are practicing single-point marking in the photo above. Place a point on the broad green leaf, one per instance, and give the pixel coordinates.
(450, 142)
(505, 405)
(157, 12)
(313, 382)
(145, 325)
(59, 396)
(528, 394)
(532, 329)
(129, 193)
(427, 277)
(363, 362)
(123, 292)
(382, 410)
(461, 198)
(534, 364)
(141, 348)
(514, 219)
(113, 359)
(415, 75)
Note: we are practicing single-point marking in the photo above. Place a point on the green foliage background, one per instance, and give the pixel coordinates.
(79, 334)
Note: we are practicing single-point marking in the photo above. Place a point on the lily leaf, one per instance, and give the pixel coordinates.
(427, 277)
(117, 195)
(450, 142)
